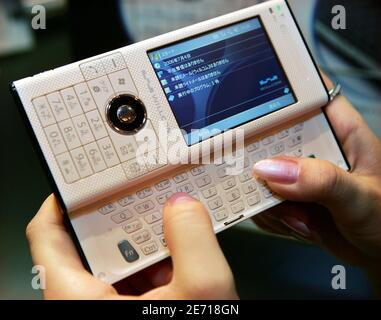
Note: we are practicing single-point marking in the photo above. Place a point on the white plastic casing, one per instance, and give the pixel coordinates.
(98, 239)
(288, 44)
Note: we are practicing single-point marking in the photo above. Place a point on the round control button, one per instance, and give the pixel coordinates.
(126, 114)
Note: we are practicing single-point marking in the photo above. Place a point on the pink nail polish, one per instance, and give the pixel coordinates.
(301, 229)
(297, 226)
(277, 170)
(179, 197)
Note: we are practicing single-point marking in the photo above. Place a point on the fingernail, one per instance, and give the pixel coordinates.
(161, 277)
(297, 226)
(179, 197)
(301, 229)
(280, 171)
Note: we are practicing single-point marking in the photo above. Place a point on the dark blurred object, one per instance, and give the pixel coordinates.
(360, 42)
(15, 33)
(96, 27)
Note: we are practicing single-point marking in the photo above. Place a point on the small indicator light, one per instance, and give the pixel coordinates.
(278, 8)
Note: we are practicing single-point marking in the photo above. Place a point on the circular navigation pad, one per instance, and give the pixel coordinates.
(126, 114)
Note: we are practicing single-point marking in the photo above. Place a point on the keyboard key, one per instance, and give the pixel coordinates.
(122, 216)
(296, 153)
(238, 207)
(268, 140)
(229, 183)
(203, 181)
(294, 141)
(267, 193)
(125, 145)
(187, 188)
(144, 193)
(141, 237)
(108, 152)
(113, 62)
(197, 171)
(249, 187)
(101, 90)
(258, 156)
(81, 162)
(58, 106)
(153, 217)
(215, 203)
(233, 195)
(221, 173)
(55, 139)
(128, 252)
(133, 226)
(221, 215)
(165, 184)
(246, 162)
(145, 206)
(67, 168)
(180, 177)
(154, 162)
(95, 157)
(69, 134)
(133, 169)
(149, 248)
(43, 111)
(126, 201)
(108, 208)
(71, 102)
(277, 148)
(245, 176)
(255, 199)
(253, 146)
(161, 199)
(96, 124)
(147, 140)
(158, 229)
(85, 98)
(163, 241)
(283, 134)
(210, 192)
(83, 129)
(299, 127)
(122, 82)
(93, 69)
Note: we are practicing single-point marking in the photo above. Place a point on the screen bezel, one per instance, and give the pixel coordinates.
(197, 35)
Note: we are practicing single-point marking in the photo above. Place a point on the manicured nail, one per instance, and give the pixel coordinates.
(161, 277)
(301, 229)
(277, 170)
(297, 226)
(179, 197)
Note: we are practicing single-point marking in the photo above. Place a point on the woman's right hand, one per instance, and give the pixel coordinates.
(347, 217)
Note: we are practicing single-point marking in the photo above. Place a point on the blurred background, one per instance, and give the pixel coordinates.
(265, 267)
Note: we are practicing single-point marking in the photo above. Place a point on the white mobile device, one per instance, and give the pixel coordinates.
(249, 70)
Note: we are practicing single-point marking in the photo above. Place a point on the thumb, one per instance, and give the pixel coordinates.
(199, 266)
(313, 180)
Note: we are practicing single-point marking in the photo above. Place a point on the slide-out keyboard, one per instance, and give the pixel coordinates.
(226, 197)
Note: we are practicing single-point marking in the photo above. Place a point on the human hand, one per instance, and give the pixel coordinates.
(199, 271)
(347, 219)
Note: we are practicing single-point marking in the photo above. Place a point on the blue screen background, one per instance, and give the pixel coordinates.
(222, 79)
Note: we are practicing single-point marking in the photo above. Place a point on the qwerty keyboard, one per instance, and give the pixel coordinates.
(226, 197)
